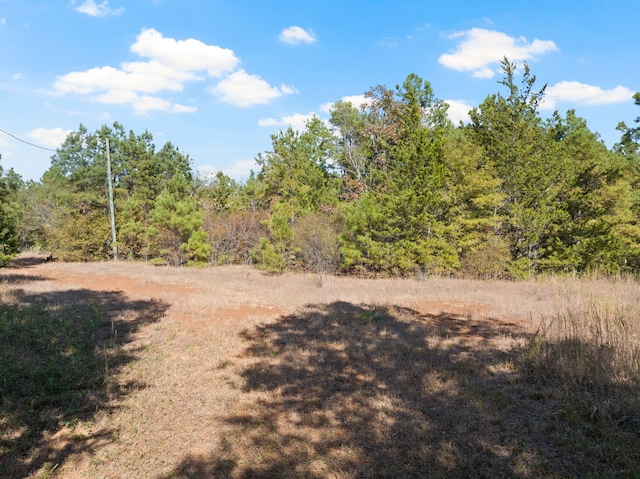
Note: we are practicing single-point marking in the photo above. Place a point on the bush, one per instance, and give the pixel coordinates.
(233, 235)
(317, 242)
(488, 259)
(269, 257)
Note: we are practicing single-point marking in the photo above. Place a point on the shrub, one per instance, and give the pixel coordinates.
(317, 241)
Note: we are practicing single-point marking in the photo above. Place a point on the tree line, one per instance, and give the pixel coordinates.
(391, 188)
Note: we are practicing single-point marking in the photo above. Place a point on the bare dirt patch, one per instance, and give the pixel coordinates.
(229, 372)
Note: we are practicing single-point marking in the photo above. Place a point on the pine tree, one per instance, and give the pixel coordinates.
(510, 131)
(10, 184)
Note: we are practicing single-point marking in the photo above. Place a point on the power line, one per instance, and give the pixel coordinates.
(24, 141)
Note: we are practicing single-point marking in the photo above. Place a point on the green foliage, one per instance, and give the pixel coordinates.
(391, 188)
(402, 227)
(296, 172)
(174, 222)
(360, 253)
(270, 257)
(510, 132)
(73, 206)
(219, 194)
(353, 148)
(591, 205)
(629, 144)
(295, 179)
(197, 248)
(86, 237)
(10, 184)
(133, 238)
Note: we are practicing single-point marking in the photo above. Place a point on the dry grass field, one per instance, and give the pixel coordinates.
(126, 370)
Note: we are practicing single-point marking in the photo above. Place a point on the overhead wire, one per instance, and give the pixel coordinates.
(25, 141)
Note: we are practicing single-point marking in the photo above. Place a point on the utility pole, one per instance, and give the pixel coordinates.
(111, 212)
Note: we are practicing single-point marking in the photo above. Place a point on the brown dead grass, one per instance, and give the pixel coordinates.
(250, 375)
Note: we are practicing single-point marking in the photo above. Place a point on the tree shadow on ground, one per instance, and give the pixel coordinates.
(60, 356)
(15, 279)
(27, 260)
(351, 391)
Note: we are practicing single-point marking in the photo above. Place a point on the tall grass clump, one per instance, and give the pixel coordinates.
(587, 359)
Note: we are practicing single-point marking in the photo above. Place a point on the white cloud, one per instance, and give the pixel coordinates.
(184, 55)
(17, 76)
(297, 121)
(479, 50)
(242, 89)
(51, 137)
(296, 35)
(142, 104)
(147, 77)
(358, 101)
(206, 172)
(583, 94)
(241, 169)
(326, 107)
(3, 21)
(171, 64)
(288, 90)
(458, 111)
(91, 8)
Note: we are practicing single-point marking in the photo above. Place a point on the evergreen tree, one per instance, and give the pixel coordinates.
(74, 192)
(295, 179)
(401, 226)
(10, 184)
(588, 203)
(515, 144)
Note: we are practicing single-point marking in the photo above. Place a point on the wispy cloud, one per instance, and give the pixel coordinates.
(297, 35)
(142, 104)
(93, 9)
(584, 94)
(480, 50)
(389, 42)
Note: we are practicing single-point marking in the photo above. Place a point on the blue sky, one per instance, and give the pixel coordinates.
(217, 78)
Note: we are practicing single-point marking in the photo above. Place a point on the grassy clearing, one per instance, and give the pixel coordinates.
(60, 353)
(236, 374)
(346, 391)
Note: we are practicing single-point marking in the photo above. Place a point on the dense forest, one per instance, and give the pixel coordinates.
(392, 188)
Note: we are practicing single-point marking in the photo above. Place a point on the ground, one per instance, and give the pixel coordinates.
(230, 372)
